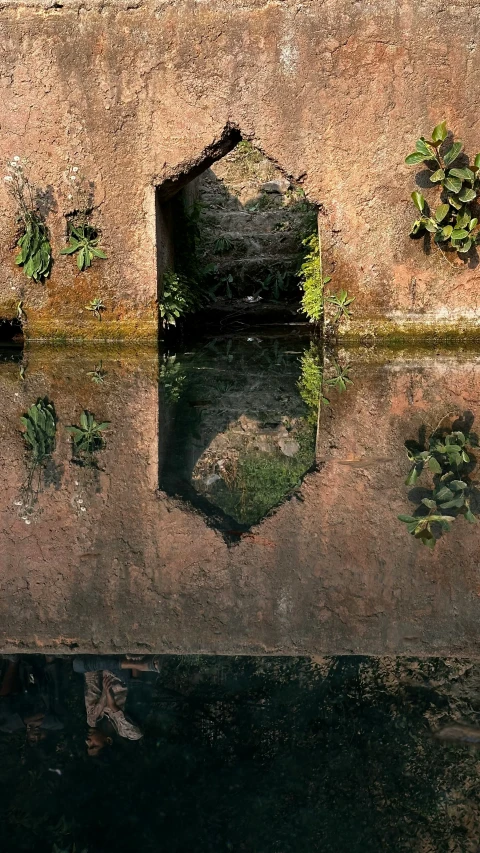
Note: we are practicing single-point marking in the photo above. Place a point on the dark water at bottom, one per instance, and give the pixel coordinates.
(238, 754)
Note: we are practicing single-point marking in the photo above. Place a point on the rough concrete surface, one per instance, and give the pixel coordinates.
(140, 92)
(110, 563)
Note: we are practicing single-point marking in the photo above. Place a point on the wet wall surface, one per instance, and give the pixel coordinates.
(214, 516)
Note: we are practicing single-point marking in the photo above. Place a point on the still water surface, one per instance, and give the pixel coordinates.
(239, 497)
(238, 754)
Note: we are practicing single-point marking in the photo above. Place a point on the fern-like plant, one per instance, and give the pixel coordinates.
(312, 281)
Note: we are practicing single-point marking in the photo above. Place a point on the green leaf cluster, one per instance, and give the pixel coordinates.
(35, 255)
(445, 456)
(88, 438)
(83, 241)
(311, 279)
(341, 301)
(172, 378)
(451, 223)
(40, 424)
(312, 381)
(178, 299)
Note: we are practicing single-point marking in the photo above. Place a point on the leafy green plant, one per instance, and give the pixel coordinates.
(448, 456)
(177, 298)
(83, 241)
(341, 302)
(40, 424)
(96, 306)
(222, 245)
(312, 281)
(98, 374)
(88, 438)
(277, 283)
(173, 378)
(35, 255)
(451, 222)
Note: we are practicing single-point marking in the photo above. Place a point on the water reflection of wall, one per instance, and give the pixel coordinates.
(109, 562)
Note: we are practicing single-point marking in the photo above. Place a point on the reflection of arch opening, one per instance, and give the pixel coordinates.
(234, 241)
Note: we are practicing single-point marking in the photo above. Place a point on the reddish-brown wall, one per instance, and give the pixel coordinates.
(135, 92)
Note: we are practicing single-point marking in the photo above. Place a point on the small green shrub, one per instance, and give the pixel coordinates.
(96, 306)
(83, 241)
(177, 298)
(312, 281)
(341, 302)
(445, 456)
(35, 255)
(313, 284)
(40, 424)
(88, 438)
(451, 222)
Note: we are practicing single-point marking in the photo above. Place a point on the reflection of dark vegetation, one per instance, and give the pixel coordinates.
(87, 439)
(243, 392)
(257, 754)
(40, 424)
(172, 378)
(313, 383)
(98, 374)
(448, 455)
(259, 481)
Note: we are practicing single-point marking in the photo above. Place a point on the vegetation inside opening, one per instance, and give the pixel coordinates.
(239, 236)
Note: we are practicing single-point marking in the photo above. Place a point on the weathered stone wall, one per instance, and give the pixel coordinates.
(135, 93)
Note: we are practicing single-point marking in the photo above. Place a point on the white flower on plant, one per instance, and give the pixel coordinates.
(73, 177)
(69, 196)
(74, 168)
(16, 159)
(8, 179)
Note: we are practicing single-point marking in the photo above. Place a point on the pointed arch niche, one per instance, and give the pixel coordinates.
(230, 222)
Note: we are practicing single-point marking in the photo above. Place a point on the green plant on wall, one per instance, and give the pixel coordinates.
(83, 237)
(177, 298)
(83, 241)
(312, 282)
(451, 222)
(448, 456)
(35, 255)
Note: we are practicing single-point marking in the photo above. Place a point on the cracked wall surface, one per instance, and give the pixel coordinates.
(134, 93)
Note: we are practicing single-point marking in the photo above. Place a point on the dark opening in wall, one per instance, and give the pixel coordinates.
(229, 234)
(11, 331)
